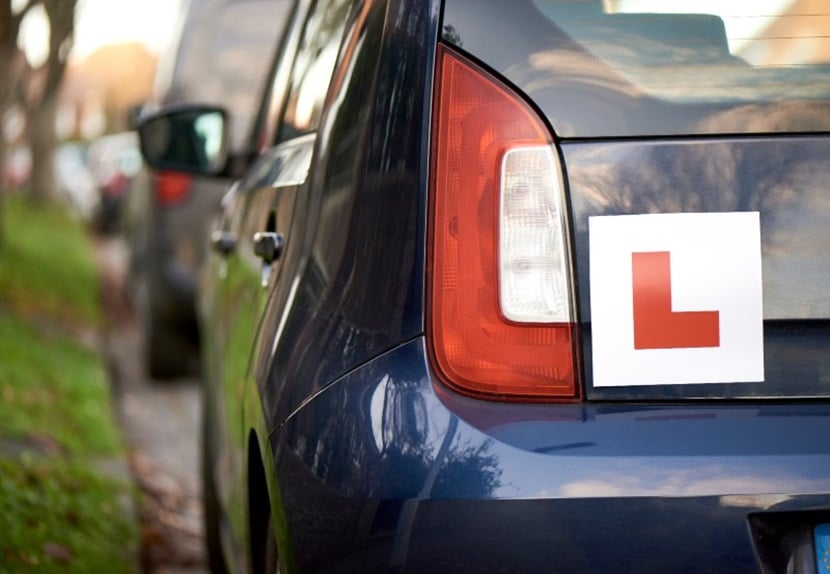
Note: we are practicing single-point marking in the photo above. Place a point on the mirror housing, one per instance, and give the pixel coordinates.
(188, 138)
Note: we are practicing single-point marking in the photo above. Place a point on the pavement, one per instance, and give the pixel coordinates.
(160, 422)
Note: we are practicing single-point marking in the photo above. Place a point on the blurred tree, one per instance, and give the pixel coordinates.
(42, 99)
(11, 68)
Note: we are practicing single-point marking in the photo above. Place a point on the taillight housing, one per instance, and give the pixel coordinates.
(172, 187)
(501, 318)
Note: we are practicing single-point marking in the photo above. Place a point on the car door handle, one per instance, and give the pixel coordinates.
(223, 242)
(268, 245)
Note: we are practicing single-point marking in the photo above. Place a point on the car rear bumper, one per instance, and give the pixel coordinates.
(396, 471)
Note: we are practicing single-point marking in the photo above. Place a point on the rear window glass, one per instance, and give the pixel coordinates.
(707, 51)
(643, 67)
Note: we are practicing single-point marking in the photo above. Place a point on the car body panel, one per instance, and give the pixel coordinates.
(407, 474)
(363, 198)
(374, 465)
(239, 292)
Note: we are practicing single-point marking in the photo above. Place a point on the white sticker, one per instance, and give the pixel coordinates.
(676, 299)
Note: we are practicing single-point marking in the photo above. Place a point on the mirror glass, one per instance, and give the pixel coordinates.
(185, 139)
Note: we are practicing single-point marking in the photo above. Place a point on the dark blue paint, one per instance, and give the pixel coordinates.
(377, 467)
(554, 488)
(361, 289)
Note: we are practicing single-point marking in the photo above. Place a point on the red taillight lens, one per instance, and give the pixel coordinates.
(172, 187)
(499, 244)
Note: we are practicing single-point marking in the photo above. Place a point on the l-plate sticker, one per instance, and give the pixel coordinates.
(676, 298)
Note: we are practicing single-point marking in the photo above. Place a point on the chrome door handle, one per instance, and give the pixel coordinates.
(268, 246)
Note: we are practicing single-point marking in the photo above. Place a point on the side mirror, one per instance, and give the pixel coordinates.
(188, 138)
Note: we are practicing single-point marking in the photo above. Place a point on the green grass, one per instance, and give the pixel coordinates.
(45, 265)
(60, 510)
(60, 515)
(53, 385)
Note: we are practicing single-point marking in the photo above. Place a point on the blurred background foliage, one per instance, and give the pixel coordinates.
(52, 93)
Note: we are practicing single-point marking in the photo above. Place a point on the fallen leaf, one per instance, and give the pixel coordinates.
(45, 444)
(57, 552)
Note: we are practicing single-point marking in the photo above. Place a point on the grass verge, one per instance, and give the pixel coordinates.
(62, 507)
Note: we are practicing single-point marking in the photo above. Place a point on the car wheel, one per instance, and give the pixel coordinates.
(210, 504)
(166, 352)
(262, 530)
(165, 356)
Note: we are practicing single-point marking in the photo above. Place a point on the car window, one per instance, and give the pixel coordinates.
(704, 50)
(629, 68)
(271, 105)
(313, 67)
(710, 52)
(241, 55)
(224, 57)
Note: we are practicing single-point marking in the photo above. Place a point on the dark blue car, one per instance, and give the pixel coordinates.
(527, 286)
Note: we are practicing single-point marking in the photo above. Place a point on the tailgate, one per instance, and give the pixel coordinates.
(725, 182)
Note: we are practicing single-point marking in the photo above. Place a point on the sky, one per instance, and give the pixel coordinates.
(102, 22)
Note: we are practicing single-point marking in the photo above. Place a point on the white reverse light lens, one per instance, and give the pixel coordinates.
(534, 285)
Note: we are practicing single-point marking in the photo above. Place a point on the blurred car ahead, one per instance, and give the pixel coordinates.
(75, 181)
(169, 213)
(114, 161)
(17, 169)
(490, 298)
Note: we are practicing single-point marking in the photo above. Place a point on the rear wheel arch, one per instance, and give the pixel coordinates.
(259, 507)
(264, 512)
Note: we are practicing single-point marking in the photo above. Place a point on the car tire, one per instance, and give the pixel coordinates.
(210, 505)
(164, 355)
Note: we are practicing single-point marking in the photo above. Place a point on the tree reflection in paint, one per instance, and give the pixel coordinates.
(410, 445)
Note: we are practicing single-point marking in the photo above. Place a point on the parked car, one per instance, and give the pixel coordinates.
(114, 160)
(75, 181)
(490, 297)
(17, 167)
(169, 213)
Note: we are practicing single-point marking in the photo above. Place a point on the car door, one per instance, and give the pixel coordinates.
(236, 278)
(257, 225)
(260, 209)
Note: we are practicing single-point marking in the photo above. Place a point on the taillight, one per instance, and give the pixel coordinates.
(501, 321)
(172, 187)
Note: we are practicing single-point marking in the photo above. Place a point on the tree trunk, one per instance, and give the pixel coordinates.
(42, 110)
(8, 39)
(43, 142)
(2, 190)
(9, 79)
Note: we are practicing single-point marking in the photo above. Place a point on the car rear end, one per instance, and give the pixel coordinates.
(648, 257)
(625, 366)
(627, 322)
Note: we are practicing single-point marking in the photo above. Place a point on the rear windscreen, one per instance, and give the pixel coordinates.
(643, 67)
